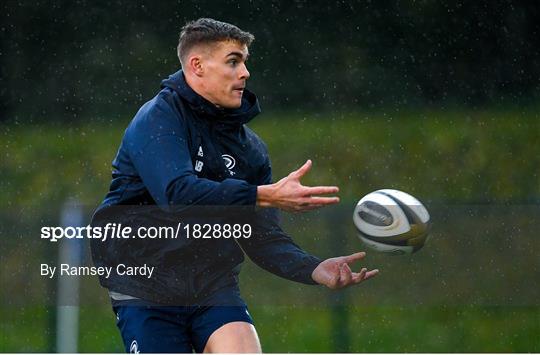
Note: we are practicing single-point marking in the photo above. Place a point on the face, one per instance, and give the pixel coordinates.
(224, 73)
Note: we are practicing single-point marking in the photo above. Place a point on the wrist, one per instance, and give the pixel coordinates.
(315, 275)
(264, 195)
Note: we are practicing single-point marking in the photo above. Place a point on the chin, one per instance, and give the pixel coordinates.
(232, 105)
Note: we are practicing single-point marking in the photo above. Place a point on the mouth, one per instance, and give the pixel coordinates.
(239, 89)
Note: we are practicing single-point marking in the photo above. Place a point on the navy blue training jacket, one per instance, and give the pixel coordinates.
(181, 150)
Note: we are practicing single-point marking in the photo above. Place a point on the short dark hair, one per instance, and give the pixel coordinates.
(206, 31)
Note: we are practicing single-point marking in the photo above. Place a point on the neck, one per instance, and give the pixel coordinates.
(197, 85)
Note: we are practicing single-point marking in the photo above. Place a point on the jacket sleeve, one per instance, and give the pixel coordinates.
(158, 147)
(272, 249)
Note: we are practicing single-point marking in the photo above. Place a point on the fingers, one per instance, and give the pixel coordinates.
(303, 169)
(321, 201)
(364, 275)
(346, 275)
(294, 197)
(357, 277)
(355, 257)
(371, 274)
(321, 190)
(337, 275)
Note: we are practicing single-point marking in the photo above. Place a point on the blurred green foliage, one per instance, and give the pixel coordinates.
(69, 60)
(460, 155)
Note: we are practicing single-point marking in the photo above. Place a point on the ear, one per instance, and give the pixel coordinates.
(195, 64)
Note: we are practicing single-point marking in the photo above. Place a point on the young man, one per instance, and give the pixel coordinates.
(189, 146)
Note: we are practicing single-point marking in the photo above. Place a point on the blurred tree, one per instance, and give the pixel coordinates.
(74, 60)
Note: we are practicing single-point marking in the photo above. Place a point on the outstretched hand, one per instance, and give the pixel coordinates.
(290, 195)
(335, 273)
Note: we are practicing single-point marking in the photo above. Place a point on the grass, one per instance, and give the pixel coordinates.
(316, 329)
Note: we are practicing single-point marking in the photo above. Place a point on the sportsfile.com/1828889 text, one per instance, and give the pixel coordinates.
(118, 231)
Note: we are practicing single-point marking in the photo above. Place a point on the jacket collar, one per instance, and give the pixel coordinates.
(245, 113)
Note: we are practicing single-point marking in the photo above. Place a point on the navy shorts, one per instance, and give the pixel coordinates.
(175, 329)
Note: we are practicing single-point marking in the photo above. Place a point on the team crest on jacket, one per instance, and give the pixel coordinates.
(134, 347)
(230, 162)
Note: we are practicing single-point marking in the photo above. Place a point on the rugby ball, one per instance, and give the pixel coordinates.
(392, 221)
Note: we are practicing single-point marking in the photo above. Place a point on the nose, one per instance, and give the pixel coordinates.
(244, 73)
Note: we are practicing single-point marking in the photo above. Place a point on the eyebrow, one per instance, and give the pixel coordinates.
(238, 54)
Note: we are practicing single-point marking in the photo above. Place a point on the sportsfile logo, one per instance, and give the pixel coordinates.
(112, 231)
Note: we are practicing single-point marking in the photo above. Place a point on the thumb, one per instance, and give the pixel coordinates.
(303, 169)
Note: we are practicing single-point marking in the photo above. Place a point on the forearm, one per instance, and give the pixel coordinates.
(273, 250)
(279, 255)
(191, 190)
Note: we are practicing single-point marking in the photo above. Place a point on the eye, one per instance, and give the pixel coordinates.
(233, 62)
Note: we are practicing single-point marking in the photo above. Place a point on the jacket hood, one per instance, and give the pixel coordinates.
(245, 113)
